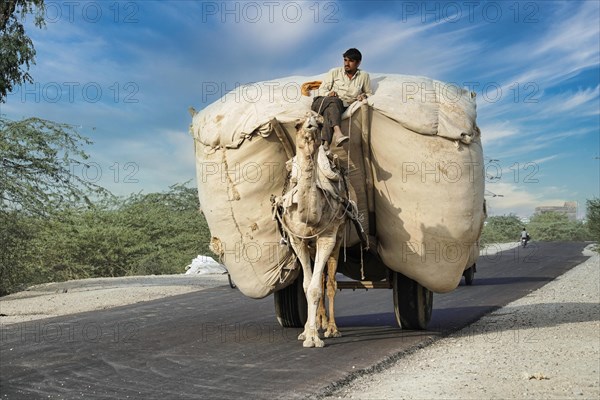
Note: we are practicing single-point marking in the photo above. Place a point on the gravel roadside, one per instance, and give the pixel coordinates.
(545, 345)
(81, 295)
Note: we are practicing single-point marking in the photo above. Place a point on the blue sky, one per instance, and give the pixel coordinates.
(126, 72)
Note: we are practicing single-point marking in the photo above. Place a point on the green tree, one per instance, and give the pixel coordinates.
(173, 227)
(17, 52)
(156, 233)
(501, 229)
(36, 160)
(16, 233)
(555, 226)
(36, 157)
(593, 218)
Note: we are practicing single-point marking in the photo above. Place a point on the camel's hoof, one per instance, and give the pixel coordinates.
(313, 342)
(332, 334)
(302, 336)
(322, 324)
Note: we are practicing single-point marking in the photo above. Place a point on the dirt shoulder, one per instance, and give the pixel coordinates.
(545, 345)
(63, 298)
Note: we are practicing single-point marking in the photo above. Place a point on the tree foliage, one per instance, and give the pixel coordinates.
(156, 233)
(501, 229)
(17, 52)
(556, 226)
(36, 163)
(16, 232)
(593, 218)
(57, 226)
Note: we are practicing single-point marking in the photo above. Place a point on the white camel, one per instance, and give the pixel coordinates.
(314, 221)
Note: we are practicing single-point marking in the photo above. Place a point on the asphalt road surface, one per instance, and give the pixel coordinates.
(218, 344)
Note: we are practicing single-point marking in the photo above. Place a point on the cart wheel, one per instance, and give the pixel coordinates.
(469, 275)
(231, 284)
(291, 307)
(413, 303)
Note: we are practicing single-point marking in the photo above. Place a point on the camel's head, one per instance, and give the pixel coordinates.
(308, 132)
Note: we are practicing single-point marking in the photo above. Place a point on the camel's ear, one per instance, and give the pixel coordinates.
(298, 124)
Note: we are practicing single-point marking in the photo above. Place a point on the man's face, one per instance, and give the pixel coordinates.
(350, 66)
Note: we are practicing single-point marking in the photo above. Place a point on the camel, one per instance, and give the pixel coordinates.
(313, 219)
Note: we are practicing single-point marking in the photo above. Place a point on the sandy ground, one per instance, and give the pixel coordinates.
(543, 346)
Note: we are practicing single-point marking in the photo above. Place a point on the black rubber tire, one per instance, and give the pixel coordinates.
(231, 283)
(469, 275)
(291, 307)
(413, 303)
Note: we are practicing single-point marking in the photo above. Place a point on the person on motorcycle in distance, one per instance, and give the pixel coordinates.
(524, 237)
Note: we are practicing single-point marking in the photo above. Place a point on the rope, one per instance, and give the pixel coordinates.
(350, 136)
(362, 265)
(348, 210)
(288, 230)
(334, 216)
(321, 106)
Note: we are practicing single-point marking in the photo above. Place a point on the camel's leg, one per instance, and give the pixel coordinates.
(332, 262)
(304, 256)
(325, 246)
(321, 312)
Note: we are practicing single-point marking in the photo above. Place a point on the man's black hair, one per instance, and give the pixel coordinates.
(353, 54)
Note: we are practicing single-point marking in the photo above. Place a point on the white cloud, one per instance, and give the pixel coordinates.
(498, 132)
(583, 102)
(176, 46)
(569, 46)
(574, 34)
(522, 199)
(161, 159)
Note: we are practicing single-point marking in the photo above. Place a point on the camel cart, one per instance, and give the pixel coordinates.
(414, 163)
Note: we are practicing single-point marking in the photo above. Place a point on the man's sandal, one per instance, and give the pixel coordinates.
(342, 139)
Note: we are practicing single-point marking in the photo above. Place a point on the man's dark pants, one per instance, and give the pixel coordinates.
(331, 108)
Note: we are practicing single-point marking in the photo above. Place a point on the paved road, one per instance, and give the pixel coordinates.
(218, 344)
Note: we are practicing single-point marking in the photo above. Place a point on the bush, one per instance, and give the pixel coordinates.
(501, 229)
(15, 234)
(157, 233)
(593, 218)
(553, 227)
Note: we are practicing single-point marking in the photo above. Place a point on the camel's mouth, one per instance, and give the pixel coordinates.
(312, 125)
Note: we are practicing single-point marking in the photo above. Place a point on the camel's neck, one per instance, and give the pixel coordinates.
(309, 206)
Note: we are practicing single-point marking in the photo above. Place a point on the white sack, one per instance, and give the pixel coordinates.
(428, 201)
(420, 104)
(241, 163)
(234, 187)
(204, 265)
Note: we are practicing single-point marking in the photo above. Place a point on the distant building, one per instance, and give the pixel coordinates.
(569, 209)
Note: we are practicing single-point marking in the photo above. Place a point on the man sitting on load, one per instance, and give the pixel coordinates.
(341, 87)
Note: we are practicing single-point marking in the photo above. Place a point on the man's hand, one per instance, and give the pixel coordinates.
(361, 97)
(332, 94)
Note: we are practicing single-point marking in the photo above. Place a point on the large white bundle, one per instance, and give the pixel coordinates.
(420, 104)
(421, 132)
(234, 187)
(429, 203)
